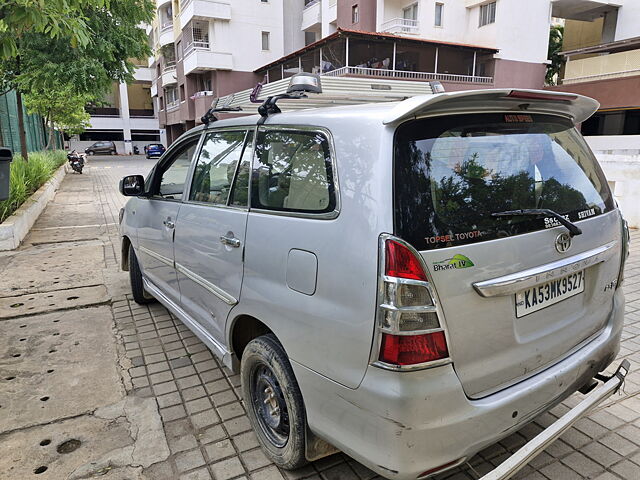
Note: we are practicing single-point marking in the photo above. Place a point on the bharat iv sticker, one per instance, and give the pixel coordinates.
(455, 262)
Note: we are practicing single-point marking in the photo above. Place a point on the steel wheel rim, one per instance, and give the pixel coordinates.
(269, 405)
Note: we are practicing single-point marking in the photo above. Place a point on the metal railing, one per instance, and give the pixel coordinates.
(169, 67)
(401, 25)
(406, 75)
(196, 46)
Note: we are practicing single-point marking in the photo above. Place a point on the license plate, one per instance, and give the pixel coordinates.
(541, 296)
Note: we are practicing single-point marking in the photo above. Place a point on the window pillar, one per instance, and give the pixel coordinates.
(435, 66)
(346, 55)
(394, 57)
(473, 72)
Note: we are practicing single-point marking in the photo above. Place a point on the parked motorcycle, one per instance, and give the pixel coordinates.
(76, 160)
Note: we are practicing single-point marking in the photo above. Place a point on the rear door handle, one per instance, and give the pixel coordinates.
(231, 241)
(168, 223)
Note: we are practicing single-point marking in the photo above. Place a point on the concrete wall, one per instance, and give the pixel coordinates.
(615, 144)
(612, 93)
(623, 175)
(627, 24)
(366, 11)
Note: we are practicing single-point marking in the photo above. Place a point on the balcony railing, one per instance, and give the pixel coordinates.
(173, 105)
(168, 25)
(196, 46)
(401, 25)
(406, 75)
(169, 67)
(103, 111)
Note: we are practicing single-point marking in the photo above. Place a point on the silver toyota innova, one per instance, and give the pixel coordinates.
(406, 282)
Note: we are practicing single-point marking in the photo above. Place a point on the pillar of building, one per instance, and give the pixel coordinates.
(126, 120)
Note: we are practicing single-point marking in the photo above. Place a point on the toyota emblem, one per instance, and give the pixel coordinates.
(563, 242)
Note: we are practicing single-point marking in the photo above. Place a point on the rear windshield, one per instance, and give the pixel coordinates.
(451, 173)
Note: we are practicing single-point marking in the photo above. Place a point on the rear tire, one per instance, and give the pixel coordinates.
(140, 295)
(274, 402)
(91, 152)
(112, 152)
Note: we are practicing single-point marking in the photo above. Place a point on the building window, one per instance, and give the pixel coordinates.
(179, 50)
(355, 14)
(410, 12)
(265, 40)
(182, 98)
(309, 38)
(438, 17)
(487, 14)
(171, 96)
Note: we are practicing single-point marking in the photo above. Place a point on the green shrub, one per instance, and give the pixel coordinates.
(27, 177)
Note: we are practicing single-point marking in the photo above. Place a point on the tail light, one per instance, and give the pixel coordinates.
(410, 335)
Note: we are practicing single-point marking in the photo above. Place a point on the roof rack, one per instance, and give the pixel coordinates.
(210, 116)
(334, 91)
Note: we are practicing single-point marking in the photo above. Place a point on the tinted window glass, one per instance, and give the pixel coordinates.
(452, 173)
(293, 172)
(175, 171)
(216, 167)
(240, 191)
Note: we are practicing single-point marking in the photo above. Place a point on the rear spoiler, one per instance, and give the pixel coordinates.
(570, 105)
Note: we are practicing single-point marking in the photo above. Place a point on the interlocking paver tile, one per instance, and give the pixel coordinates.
(226, 469)
(180, 444)
(583, 465)
(189, 460)
(219, 450)
(204, 419)
(255, 459)
(200, 474)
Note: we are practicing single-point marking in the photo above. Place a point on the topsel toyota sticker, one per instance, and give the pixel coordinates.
(457, 261)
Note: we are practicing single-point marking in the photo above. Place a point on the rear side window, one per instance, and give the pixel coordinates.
(216, 167)
(451, 174)
(293, 172)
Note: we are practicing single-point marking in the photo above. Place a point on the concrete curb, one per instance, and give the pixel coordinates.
(17, 226)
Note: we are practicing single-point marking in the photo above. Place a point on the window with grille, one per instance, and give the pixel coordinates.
(487, 13)
(196, 35)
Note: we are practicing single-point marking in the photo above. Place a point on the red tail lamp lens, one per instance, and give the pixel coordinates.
(413, 349)
(401, 263)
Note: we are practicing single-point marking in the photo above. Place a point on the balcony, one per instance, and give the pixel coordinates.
(333, 11)
(171, 106)
(585, 10)
(199, 57)
(406, 75)
(166, 34)
(613, 65)
(402, 26)
(169, 76)
(205, 9)
(311, 16)
(143, 74)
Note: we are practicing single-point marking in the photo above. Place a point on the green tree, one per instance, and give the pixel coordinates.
(81, 66)
(555, 47)
(61, 109)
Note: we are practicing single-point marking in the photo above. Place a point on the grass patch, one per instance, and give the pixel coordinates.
(27, 177)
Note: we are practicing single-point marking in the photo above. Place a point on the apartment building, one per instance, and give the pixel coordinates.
(125, 116)
(211, 48)
(207, 46)
(601, 47)
(463, 43)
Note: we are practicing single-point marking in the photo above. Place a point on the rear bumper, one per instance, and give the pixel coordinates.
(403, 424)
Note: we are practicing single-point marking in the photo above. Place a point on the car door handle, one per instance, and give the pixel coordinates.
(168, 223)
(231, 241)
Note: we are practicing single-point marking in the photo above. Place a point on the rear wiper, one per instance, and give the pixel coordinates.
(536, 212)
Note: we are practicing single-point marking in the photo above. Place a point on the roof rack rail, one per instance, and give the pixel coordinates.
(210, 116)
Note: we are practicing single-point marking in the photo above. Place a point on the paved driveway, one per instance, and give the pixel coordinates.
(207, 428)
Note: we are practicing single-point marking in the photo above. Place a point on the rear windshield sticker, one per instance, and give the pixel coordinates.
(586, 213)
(457, 261)
(513, 118)
(453, 237)
(550, 222)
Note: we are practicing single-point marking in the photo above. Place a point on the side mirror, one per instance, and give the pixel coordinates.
(132, 185)
(5, 159)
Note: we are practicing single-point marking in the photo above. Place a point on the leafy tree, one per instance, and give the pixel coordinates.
(555, 47)
(81, 66)
(53, 18)
(61, 109)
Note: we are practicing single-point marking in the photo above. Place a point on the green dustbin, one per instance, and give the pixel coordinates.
(5, 159)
